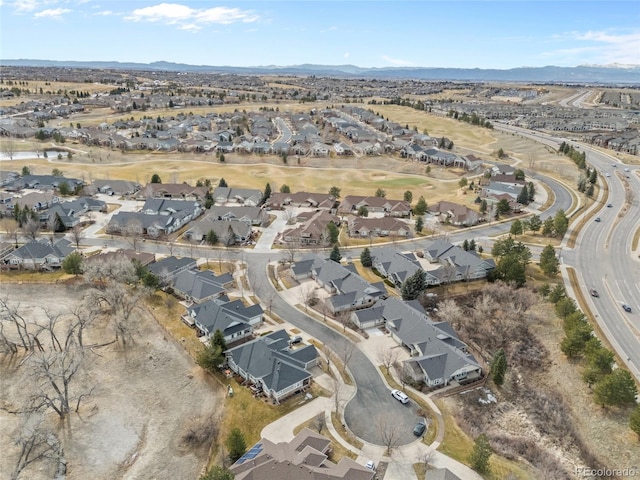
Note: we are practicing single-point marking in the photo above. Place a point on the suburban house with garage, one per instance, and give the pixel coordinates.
(229, 232)
(158, 216)
(349, 290)
(438, 356)
(177, 191)
(454, 214)
(305, 456)
(233, 318)
(397, 266)
(378, 227)
(198, 286)
(255, 216)
(242, 196)
(313, 230)
(168, 268)
(457, 263)
(393, 208)
(280, 200)
(271, 363)
(39, 254)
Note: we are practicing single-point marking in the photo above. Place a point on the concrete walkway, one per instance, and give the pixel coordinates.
(400, 462)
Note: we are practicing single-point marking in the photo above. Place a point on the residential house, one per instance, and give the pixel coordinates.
(271, 363)
(198, 286)
(229, 232)
(495, 188)
(438, 356)
(458, 264)
(39, 254)
(378, 227)
(37, 201)
(234, 319)
(243, 196)
(169, 268)
(454, 214)
(116, 187)
(158, 216)
(393, 208)
(305, 456)
(42, 182)
(251, 215)
(396, 266)
(349, 290)
(313, 231)
(178, 191)
(323, 201)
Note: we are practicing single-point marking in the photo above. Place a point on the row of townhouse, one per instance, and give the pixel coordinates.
(348, 290)
(157, 217)
(437, 356)
(455, 264)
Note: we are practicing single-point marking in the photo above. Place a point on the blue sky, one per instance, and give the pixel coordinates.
(372, 33)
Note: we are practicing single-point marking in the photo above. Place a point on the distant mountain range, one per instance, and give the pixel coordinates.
(603, 74)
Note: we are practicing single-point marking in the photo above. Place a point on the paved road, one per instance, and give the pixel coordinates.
(604, 261)
(372, 398)
(603, 256)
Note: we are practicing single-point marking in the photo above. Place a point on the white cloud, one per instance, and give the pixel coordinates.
(598, 47)
(104, 13)
(25, 5)
(189, 18)
(52, 13)
(347, 55)
(397, 61)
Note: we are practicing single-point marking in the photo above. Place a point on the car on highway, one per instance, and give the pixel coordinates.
(593, 292)
(609, 205)
(608, 174)
(419, 429)
(613, 165)
(597, 219)
(400, 396)
(626, 169)
(626, 308)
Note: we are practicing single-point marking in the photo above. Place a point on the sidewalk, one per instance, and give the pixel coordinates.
(400, 462)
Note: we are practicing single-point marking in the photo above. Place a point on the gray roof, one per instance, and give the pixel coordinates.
(201, 284)
(229, 317)
(168, 265)
(38, 249)
(271, 359)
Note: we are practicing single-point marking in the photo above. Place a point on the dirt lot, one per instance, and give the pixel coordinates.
(550, 417)
(145, 399)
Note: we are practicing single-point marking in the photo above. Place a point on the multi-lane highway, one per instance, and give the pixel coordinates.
(604, 260)
(602, 256)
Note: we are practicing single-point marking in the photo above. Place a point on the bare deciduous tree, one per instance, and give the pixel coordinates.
(112, 296)
(55, 371)
(319, 422)
(405, 373)
(31, 228)
(390, 432)
(36, 444)
(449, 311)
(290, 251)
(77, 234)
(344, 318)
(15, 333)
(289, 215)
(11, 230)
(132, 233)
(9, 148)
(308, 294)
(387, 356)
